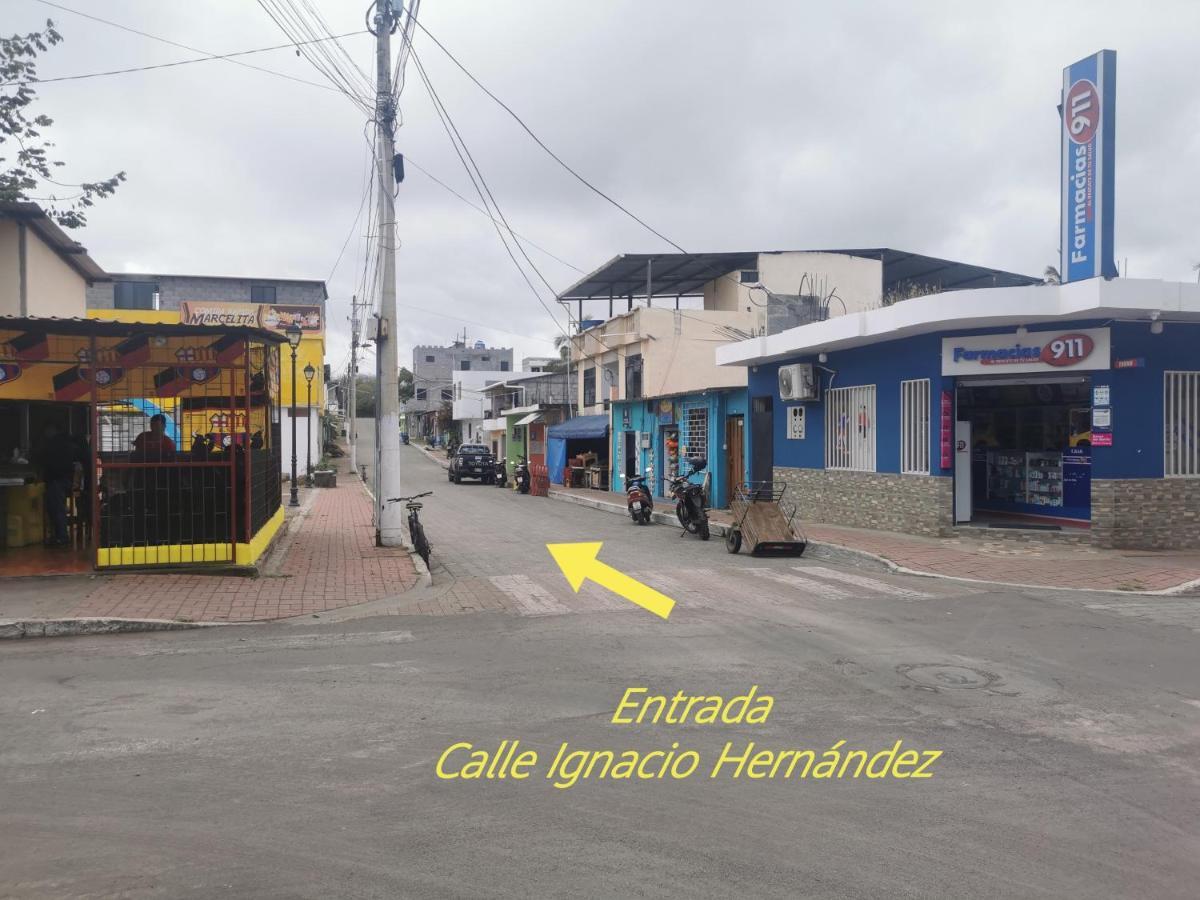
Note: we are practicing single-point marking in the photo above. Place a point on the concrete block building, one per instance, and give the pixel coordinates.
(433, 382)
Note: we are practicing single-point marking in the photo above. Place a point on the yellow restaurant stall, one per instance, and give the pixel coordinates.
(175, 433)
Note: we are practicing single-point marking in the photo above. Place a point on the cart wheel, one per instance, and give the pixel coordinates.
(733, 540)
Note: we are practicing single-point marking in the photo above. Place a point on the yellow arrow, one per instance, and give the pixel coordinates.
(578, 563)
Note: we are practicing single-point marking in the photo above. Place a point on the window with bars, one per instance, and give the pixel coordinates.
(589, 387)
(1181, 416)
(914, 427)
(695, 432)
(850, 428)
(633, 377)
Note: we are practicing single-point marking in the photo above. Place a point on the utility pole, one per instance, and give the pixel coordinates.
(352, 391)
(390, 516)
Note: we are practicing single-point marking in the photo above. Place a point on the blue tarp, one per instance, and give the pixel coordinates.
(580, 427)
(556, 458)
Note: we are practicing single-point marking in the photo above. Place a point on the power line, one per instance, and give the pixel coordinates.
(408, 160)
(398, 80)
(163, 40)
(303, 35)
(357, 215)
(168, 65)
(558, 159)
(455, 139)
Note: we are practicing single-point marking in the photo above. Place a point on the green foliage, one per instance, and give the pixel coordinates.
(364, 392)
(23, 175)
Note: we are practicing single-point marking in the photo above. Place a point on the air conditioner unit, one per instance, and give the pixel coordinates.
(797, 382)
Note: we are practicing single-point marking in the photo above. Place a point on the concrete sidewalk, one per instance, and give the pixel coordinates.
(326, 559)
(978, 555)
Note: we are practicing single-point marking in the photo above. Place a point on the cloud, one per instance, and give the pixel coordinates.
(927, 126)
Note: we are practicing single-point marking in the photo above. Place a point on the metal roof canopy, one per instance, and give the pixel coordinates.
(671, 275)
(685, 274)
(109, 328)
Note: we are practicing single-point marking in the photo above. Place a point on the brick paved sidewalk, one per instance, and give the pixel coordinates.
(327, 561)
(978, 555)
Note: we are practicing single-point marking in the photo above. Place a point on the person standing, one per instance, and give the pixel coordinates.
(57, 458)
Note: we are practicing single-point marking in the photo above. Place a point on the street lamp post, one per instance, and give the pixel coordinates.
(309, 372)
(294, 333)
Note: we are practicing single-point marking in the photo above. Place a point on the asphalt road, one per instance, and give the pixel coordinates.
(287, 761)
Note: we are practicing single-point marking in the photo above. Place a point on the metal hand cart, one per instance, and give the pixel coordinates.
(759, 520)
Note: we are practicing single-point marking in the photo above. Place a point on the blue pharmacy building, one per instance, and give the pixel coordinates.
(1071, 408)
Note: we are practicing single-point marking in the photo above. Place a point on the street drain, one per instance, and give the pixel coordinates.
(941, 675)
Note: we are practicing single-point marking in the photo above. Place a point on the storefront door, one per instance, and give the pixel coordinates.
(1030, 450)
(762, 442)
(735, 457)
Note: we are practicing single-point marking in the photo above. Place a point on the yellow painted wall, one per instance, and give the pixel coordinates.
(311, 350)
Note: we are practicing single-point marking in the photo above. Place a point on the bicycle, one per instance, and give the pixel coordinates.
(415, 530)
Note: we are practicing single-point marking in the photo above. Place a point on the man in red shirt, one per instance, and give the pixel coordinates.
(154, 445)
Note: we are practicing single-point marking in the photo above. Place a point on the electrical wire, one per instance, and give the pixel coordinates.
(408, 160)
(312, 48)
(558, 159)
(163, 40)
(168, 65)
(476, 178)
(358, 215)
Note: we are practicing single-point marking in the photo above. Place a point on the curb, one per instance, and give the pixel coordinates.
(38, 628)
(424, 575)
(827, 549)
(432, 455)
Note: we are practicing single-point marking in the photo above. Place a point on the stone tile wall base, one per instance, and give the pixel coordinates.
(913, 504)
(1146, 513)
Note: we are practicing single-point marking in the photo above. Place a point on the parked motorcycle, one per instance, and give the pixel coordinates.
(521, 475)
(638, 499)
(501, 474)
(689, 502)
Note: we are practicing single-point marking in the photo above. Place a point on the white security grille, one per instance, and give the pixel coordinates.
(914, 427)
(850, 428)
(1181, 415)
(695, 432)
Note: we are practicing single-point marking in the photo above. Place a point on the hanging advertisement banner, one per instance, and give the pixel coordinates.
(947, 430)
(1088, 114)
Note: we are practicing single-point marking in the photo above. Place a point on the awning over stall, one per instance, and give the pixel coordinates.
(580, 428)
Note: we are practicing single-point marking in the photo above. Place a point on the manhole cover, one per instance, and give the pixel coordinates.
(941, 675)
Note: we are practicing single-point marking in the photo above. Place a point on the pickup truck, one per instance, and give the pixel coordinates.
(472, 461)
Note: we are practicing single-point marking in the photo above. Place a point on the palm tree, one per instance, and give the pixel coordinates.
(1196, 269)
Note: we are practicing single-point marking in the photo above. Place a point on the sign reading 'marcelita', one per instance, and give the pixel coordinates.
(1035, 351)
(1088, 146)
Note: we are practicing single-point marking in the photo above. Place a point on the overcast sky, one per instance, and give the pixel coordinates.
(924, 126)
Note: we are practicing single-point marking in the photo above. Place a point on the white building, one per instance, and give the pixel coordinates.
(469, 404)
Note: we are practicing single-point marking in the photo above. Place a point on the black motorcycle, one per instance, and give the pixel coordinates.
(521, 475)
(638, 500)
(501, 474)
(689, 503)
